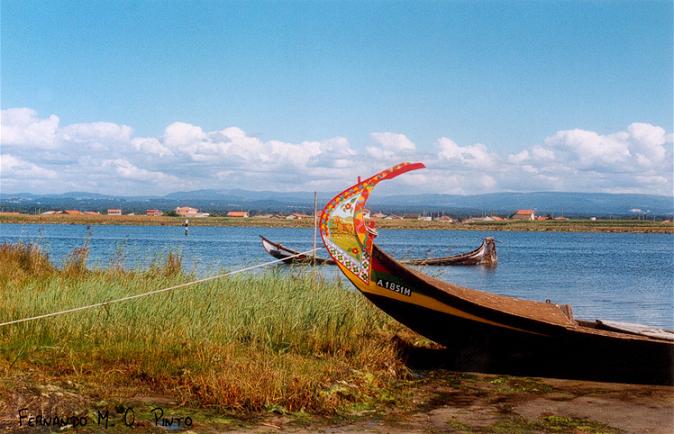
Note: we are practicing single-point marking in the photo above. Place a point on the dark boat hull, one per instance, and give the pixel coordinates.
(531, 349)
(484, 331)
(485, 254)
(289, 256)
(482, 348)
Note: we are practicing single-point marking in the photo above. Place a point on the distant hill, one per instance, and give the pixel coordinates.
(219, 201)
(556, 203)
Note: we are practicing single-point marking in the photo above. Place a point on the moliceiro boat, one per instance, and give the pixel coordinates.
(485, 254)
(290, 256)
(483, 331)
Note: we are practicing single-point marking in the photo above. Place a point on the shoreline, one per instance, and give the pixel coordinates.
(572, 225)
(330, 362)
(436, 401)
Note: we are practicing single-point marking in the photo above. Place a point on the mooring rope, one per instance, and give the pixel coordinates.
(157, 291)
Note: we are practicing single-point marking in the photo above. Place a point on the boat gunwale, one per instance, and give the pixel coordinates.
(466, 300)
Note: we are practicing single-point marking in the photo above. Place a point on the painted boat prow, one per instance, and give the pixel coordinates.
(484, 330)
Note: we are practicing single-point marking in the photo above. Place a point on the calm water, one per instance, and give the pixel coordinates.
(627, 277)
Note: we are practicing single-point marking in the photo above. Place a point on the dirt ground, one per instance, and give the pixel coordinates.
(435, 401)
(467, 403)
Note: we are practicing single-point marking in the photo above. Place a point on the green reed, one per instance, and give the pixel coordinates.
(245, 342)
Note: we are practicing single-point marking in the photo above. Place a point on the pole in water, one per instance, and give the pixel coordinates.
(313, 255)
(186, 225)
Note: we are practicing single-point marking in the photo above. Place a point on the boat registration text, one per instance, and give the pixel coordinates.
(395, 287)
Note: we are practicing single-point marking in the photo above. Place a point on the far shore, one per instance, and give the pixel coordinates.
(571, 225)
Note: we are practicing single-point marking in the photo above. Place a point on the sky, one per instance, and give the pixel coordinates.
(151, 97)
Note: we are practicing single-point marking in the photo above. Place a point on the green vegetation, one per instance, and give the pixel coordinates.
(283, 343)
(260, 350)
(508, 384)
(572, 225)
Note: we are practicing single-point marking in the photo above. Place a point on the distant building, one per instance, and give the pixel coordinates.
(379, 215)
(478, 219)
(425, 218)
(561, 218)
(297, 216)
(72, 212)
(186, 211)
(393, 217)
(445, 218)
(238, 214)
(263, 216)
(91, 213)
(594, 219)
(114, 211)
(153, 212)
(542, 218)
(497, 218)
(524, 214)
(52, 212)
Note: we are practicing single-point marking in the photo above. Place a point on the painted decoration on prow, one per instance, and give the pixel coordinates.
(347, 230)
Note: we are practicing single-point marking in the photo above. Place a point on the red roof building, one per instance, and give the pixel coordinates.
(186, 211)
(524, 214)
(238, 214)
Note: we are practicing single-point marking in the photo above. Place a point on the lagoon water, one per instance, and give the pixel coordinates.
(624, 277)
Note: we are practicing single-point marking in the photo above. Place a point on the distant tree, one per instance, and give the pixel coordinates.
(171, 213)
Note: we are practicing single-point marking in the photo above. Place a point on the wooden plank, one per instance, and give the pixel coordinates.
(638, 329)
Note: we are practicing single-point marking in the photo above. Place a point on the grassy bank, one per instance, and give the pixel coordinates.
(261, 352)
(290, 343)
(573, 225)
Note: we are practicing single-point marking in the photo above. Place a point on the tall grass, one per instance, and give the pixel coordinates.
(244, 343)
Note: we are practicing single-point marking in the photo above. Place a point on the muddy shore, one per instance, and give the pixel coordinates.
(435, 401)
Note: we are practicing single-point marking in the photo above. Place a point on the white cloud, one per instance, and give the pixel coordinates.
(22, 127)
(15, 167)
(642, 148)
(638, 159)
(540, 153)
(151, 145)
(648, 143)
(390, 146)
(107, 157)
(180, 134)
(590, 149)
(101, 132)
(474, 156)
(519, 157)
(126, 170)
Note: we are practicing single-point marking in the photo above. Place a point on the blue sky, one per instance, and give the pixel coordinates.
(584, 88)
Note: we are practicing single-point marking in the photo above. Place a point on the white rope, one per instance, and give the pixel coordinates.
(157, 291)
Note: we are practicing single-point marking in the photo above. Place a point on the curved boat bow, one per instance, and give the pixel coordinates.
(485, 254)
(485, 331)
